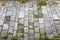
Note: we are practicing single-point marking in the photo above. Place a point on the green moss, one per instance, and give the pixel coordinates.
(39, 16)
(5, 37)
(22, 35)
(3, 4)
(22, 1)
(47, 38)
(42, 3)
(15, 38)
(22, 24)
(38, 9)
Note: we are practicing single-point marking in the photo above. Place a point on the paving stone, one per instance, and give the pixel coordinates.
(4, 33)
(41, 25)
(14, 34)
(26, 29)
(31, 24)
(21, 15)
(9, 37)
(20, 39)
(42, 31)
(31, 32)
(26, 17)
(36, 29)
(50, 36)
(7, 19)
(16, 26)
(43, 36)
(1, 13)
(26, 9)
(25, 35)
(31, 37)
(21, 21)
(54, 28)
(47, 24)
(55, 33)
(46, 17)
(30, 17)
(2, 8)
(36, 23)
(37, 35)
(1, 22)
(26, 23)
(55, 17)
(9, 13)
(10, 30)
(13, 14)
(36, 19)
(35, 12)
(25, 38)
(5, 27)
(44, 11)
(40, 20)
(48, 30)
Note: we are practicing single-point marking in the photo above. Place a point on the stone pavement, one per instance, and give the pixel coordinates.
(25, 22)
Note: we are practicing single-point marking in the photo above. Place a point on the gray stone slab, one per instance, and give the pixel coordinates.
(36, 29)
(25, 23)
(4, 33)
(55, 33)
(37, 35)
(42, 25)
(25, 29)
(48, 30)
(42, 31)
(1, 22)
(31, 37)
(36, 23)
(36, 19)
(16, 26)
(9, 37)
(30, 17)
(5, 27)
(31, 32)
(10, 30)
(50, 36)
(21, 20)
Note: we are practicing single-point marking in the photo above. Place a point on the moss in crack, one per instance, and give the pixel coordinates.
(42, 3)
(21, 24)
(22, 35)
(46, 38)
(22, 1)
(38, 9)
(39, 16)
(3, 4)
(5, 37)
(14, 38)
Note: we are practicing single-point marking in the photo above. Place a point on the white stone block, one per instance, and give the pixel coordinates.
(41, 20)
(26, 29)
(21, 15)
(1, 22)
(36, 29)
(16, 25)
(1, 13)
(55, 16)
(5, 27)
(14, 33)
(42, 25)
